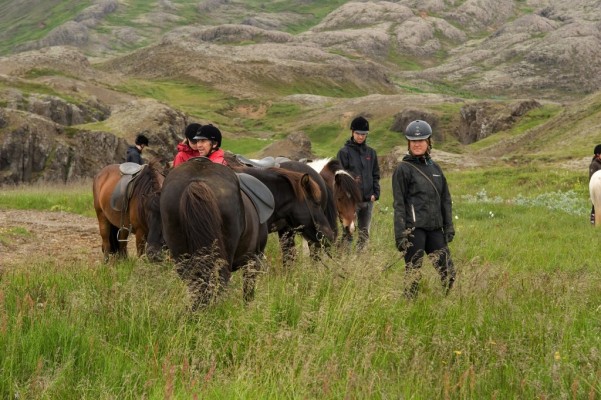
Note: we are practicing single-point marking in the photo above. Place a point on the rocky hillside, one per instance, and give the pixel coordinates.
(79, 79)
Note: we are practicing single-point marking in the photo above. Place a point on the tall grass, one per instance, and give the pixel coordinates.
(522, 322)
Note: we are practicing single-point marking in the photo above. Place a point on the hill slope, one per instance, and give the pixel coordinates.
(265, 70)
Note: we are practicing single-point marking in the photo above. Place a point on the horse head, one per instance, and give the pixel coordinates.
(315, 227)
(347, 195)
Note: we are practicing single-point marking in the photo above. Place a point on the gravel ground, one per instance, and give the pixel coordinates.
(36, 236)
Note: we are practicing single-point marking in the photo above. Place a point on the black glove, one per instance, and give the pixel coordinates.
(402, 242)
(449, 235)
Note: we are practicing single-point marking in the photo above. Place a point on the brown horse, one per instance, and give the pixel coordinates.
(115, 226)
(211, 228)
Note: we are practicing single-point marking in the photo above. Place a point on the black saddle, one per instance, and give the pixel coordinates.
(259, 194)
(123, 188)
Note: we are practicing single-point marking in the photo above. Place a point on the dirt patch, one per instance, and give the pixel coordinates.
(28, 236)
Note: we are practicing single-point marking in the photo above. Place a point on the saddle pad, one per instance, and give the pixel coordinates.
(130, 168)
(259, 194)
(266, 162)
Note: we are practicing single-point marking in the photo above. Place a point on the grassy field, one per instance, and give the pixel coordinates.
(523, 321)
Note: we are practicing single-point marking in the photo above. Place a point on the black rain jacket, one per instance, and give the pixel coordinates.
(361, 161)
(133, 155)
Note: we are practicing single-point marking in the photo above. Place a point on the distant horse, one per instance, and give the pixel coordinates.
(117, 219)
(345, 190)
(594, 187)
(211, 228)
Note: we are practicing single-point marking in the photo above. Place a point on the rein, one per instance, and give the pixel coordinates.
(319, 235)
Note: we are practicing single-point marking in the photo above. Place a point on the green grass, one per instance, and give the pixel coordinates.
(522, 321)
(74, 197)
(193, 99)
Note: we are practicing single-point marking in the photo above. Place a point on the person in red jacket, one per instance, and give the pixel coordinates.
(209, 143)
(189, 147)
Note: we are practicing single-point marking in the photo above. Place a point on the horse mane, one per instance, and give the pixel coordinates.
(344, 181)
(146, 183)
(295, 179)
(199, 207)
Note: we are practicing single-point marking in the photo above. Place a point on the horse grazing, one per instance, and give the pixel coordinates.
(121, 199)
(594, 187)
(298, 206)
(345, 190)
(321, 209)
(211, 228)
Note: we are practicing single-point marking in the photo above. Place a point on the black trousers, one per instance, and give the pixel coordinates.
(432, 243)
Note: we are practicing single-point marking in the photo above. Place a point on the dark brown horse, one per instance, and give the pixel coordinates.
(132, 217)
(210, 226)
(298, 203)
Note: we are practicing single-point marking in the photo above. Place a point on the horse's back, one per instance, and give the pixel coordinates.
(103, 185)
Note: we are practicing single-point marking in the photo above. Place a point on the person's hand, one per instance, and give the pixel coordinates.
(402, 243)
(373, 197)
(449, 236)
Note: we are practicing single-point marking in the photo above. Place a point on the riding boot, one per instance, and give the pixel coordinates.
(446, 269)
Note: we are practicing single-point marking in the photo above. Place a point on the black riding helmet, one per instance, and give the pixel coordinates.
(141, 140)
(209, 132)
(360, 125)
(418, 130)
(191, 130)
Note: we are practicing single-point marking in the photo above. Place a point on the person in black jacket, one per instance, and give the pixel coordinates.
(361, 161)
(594, 166)
(423, 222)
(134, 153)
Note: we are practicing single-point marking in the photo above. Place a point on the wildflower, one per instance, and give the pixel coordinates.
(557, 356)
(457, 352)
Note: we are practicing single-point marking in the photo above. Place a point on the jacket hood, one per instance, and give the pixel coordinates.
(184, 148)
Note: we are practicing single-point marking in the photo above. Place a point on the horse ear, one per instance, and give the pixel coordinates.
(310, 187)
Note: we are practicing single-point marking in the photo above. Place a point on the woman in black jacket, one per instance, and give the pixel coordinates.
(423, 222)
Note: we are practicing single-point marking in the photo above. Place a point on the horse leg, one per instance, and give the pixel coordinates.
(287, 245)
(119, 241)
(250, 272)
(106, 233)
(140, 243)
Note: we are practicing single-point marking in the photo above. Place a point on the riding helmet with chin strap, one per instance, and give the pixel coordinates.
(418, 130)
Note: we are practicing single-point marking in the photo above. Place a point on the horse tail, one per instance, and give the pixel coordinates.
(202, 228)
